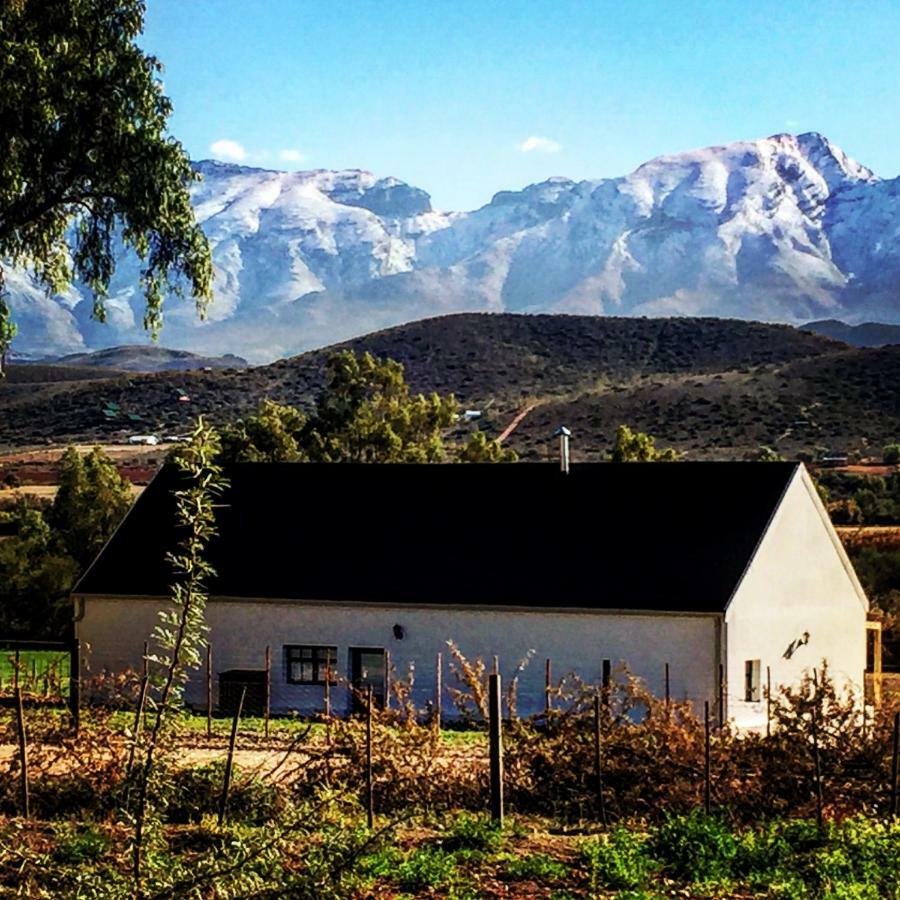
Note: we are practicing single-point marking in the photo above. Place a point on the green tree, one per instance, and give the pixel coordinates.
(480, 448)
(8, 328)
(35, 579)
(85, 158)
(91, 501)
(891, 455)
(636, 446)
(274, 434)
(366, 413)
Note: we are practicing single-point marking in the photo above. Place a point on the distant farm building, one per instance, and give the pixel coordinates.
(709, 569)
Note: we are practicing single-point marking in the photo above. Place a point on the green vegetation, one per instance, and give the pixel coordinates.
(87, 159)
(295, 824)
(50, 545)
(365, 413)
(40, 671)
(635, 446)
(336, 857)
(713, 387)
(862, 499)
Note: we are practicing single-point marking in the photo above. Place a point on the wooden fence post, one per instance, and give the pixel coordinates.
(209, 691)
(895, 766)
(132, 750)
(23, 755)
(136, 727)
(75, 685)
(146, 660)
(598, 761)
(326, 699)
(16, 672)
(268, 708)
(548, 681)
(229, 760)
(496, 748)
(668, 691)
(707, 775)
(721, 716)
(370, 792)
(438, 690)
(387, 679)
(768, 701)
(816, 760)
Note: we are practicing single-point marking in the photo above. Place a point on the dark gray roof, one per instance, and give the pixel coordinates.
(655, 536)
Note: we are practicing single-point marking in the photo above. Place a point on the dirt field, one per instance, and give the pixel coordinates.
(35, 470)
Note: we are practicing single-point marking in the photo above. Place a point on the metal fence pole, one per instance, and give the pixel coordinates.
(229, 760)
(23, 755)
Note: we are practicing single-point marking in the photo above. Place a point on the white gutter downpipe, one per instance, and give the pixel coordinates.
(563, 434)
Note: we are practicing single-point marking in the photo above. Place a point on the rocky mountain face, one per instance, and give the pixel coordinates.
(785, 229)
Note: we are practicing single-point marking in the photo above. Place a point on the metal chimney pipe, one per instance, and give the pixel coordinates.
(563, 434)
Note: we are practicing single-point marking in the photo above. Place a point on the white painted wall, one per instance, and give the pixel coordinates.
(800, 581)
(575, 641)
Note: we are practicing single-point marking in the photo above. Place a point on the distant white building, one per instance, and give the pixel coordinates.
(337, 567)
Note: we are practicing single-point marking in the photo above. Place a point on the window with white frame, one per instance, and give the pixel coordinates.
(751, 681)
(310, 665)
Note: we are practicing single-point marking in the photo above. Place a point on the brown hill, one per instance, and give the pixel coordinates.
(710, 386)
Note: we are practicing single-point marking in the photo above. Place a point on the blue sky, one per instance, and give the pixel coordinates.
(446, 95)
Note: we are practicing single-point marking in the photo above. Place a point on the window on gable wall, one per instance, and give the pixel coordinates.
(310, 665)
(751, 681)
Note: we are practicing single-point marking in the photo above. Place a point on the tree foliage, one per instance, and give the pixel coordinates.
(49, 547)
(364, 413)
(636, 446)
(85, 158)
(91, 501)
(482, 449)
(36, 575)
(275, 434)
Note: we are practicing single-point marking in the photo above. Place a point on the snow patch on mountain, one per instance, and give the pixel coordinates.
(788, 228)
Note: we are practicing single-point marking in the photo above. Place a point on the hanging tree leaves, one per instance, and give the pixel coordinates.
(85, 158)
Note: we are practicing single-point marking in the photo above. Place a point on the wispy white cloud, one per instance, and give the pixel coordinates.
(230, 151)
(289, 154)
(537, 144)
(792, 123)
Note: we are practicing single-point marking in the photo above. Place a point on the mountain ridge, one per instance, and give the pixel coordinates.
(786, 228)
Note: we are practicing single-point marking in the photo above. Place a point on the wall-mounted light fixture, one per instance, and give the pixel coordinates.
(399, 632)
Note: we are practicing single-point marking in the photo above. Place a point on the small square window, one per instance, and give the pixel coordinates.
(751, 681)
(310, 665)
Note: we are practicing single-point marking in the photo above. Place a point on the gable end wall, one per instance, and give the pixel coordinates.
(799, 582)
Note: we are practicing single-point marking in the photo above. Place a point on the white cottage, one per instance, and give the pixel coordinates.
(704, 567)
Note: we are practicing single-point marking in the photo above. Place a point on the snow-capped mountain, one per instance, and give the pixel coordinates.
(788, 228)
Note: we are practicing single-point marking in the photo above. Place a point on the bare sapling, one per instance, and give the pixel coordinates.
(180, 634)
